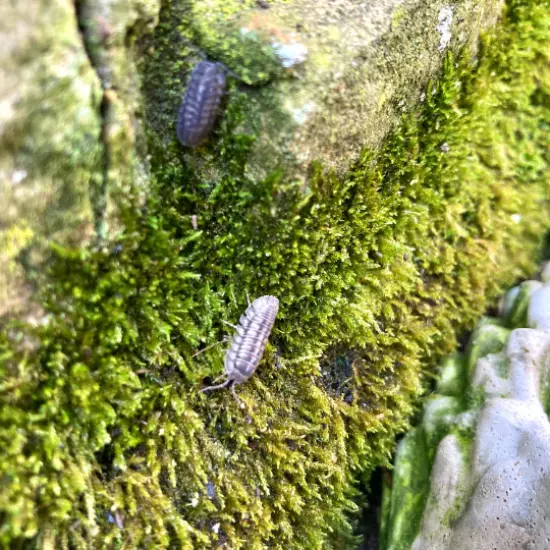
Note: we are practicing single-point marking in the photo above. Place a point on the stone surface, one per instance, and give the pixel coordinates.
(109, 30)
(49, 139)
(333, 75)
(511, 475)
(489, 375)
(527, 354)
(490, 478)
(538, 313)
(66, 135)
(447, 480)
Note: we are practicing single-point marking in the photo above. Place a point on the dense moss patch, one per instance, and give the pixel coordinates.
(105, 440)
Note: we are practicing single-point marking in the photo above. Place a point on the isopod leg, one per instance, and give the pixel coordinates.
(239, 400)
(231, 325)
(207, 348)
(219, 386)
(219, 378)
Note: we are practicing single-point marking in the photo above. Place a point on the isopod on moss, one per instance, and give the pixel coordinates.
(200, 104)
(248, 345)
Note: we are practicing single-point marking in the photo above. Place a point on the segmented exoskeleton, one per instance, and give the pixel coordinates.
(200, 104)
(248, 345)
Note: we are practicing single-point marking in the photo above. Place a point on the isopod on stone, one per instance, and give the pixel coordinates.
(248, 345)
(200, 104)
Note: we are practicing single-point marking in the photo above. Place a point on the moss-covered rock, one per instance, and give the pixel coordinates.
(49, 141)
(69, 91)
(314, 80)
(109, 30)
(105, 440)
(407, 495)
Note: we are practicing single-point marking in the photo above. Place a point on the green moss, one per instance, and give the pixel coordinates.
(410, 485)
(517, 314)
(453, 376)
(216, 29)
(104, 437)
(546, 396)
(385, 513)
(465, 441)
(488, 337)
(397, 17)
(439, 415)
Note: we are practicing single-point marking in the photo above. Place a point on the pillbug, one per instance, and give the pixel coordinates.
(248, 345)
(200, 104)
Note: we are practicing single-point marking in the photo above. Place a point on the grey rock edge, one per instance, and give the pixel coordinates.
(485, 436)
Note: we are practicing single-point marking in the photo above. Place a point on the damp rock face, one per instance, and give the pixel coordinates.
(320, 80)
(489, 484)
(68, 91)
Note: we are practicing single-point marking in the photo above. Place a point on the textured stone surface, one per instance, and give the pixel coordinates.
(49, 139)
(490, 479)
(538, 313)
(511, 476)
(66, 135)
(109, 30)
(508, 478)
(490, 375)
(447, 479)
(333, 75)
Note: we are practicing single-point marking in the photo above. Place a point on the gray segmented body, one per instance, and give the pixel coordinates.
(200, 104)
(248, 345)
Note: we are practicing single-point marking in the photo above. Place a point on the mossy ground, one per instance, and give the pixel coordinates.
(105, 440)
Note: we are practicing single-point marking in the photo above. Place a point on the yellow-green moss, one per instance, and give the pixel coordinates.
(105, 440)
(13, 241)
